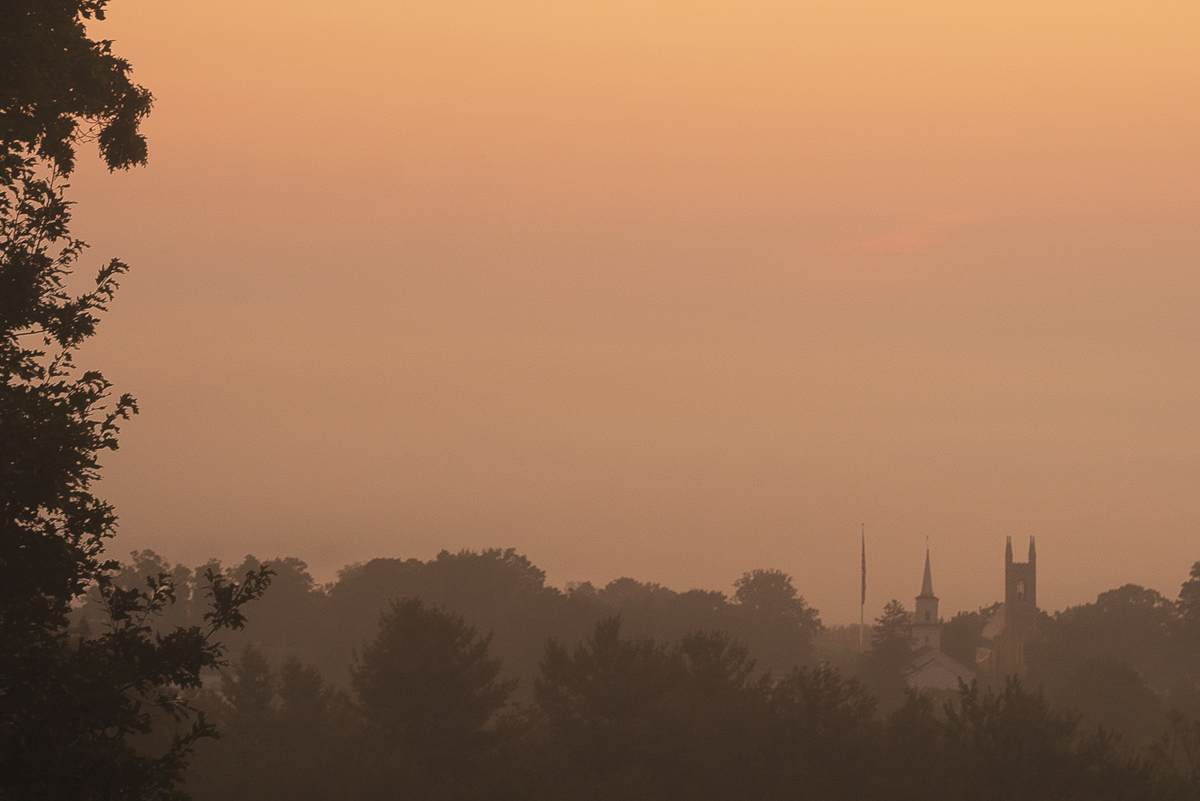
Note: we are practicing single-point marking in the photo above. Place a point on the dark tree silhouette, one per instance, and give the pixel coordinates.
(1176, 755)
(722, 710)
(71, 707)
(1111, 694)
(962, 635)
(1189, 596)
(778, 624)
(822, 735)
(1012, 744)
(56, 80)
(607, 704)
(428, 690)
(891, 651)
(1187, 626)
(1009, 744)
(284, 734)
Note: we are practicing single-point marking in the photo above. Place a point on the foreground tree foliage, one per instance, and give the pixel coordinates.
(611, 710)
(73, 707)
(627, 717)
(1007, 745)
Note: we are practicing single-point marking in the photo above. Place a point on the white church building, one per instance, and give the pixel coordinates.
(931, 669)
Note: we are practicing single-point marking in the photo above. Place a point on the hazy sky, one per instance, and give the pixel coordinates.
(664, 289)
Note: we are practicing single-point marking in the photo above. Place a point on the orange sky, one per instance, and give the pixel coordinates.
(667, 290)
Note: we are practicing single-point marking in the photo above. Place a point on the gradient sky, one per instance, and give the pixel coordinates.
(662, 289)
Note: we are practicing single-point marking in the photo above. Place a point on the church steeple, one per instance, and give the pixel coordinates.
(927, 583)
(926, 628)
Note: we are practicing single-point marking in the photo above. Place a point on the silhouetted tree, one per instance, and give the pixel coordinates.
(1004, 745)
(71, 707)
(1189, 596)
(777, 624)
(290, 620)
(914, 762)
(823, 738)
(316, 729)
(428, 690)
(1176, 757)
(891, 652)
(1110, 661)
(245, 711)
(495, 590)
(284, 735)
(962, 634)
(606, 704)
(722, 720)
(57, 79)
(1130, 624)
(1012, 745)
(1187, 626)
(621, 715)
(1114, 696)
(629, 717)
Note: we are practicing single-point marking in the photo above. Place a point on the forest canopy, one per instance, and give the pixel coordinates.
(637, 690)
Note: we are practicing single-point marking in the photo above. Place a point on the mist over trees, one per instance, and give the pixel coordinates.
(634, 690)
(499, 592)
(465, 676)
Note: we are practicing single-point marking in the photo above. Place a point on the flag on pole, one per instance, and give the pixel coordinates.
(863, 602)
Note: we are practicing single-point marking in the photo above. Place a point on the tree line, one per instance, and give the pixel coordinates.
(467, 676)
(498, 591)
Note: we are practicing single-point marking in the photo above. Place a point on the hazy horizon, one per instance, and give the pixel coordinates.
(661, 292)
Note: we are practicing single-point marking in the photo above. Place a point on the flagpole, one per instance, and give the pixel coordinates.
(862, 603)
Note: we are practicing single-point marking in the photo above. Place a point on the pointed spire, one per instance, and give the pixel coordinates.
(927, 583)
(1032, 551)
(1008, 550)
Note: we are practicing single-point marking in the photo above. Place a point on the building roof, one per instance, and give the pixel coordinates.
(931, 669)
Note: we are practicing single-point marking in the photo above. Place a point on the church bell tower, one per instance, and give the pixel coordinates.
(1020, 581)
(1020, 611)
